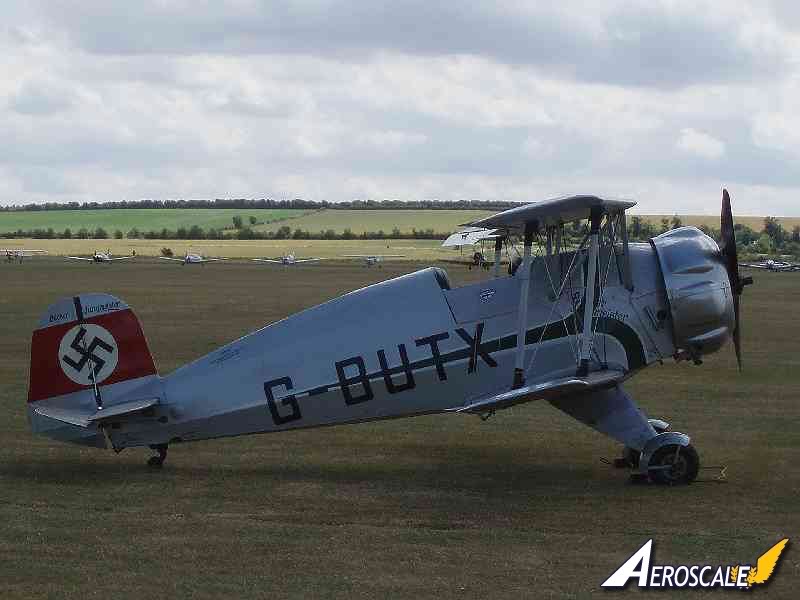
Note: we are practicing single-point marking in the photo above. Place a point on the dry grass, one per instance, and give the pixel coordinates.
(411, 249)
(432, 507)
(359, 221)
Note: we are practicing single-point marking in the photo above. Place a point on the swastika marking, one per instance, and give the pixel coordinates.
(86, 350)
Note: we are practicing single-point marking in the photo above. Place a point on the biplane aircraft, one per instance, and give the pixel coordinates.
(19, 254)
(575, 321)
(287, 260)
(100, 257)
(192, 258)
(472, 236)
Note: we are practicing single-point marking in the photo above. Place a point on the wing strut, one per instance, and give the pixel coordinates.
(498, 248)
(588, 305)
(524, 273)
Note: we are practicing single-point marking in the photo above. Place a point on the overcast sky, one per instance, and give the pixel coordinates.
(663, 102)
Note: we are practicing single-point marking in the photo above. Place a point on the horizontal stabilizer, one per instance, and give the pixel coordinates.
(547, 390)
(69, 416)
(123, 409)
(81, 418)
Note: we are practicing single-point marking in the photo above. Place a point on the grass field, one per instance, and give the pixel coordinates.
(439, 507)
(374, 220)
(357, 221)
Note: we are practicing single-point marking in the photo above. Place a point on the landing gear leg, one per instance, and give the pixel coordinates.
(630, 456)
(158, 461)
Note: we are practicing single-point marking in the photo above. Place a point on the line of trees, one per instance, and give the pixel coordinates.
(245, 203)
(244, 233)
(772, 239)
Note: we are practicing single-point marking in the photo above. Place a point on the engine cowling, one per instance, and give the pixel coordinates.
(698, 289)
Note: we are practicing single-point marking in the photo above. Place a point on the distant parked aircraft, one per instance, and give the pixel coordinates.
(100, 257)
(373, 259)
(191, 258)
(17, 254)
(773, 265)
(287, 260)
(476, 235)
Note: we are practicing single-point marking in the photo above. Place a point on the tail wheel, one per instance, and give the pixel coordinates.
(674, 465)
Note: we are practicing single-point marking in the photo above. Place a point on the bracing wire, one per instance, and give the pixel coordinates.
(555, 304)
(603, 286)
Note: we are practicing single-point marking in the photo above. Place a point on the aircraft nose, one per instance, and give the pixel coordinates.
(698, 289)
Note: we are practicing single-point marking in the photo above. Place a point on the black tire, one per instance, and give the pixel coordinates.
(684, 465)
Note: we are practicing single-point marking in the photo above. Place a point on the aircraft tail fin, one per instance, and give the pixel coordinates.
(88, 354)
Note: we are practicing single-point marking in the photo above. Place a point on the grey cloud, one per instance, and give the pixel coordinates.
(787, 12)
(405, 100)
(642, 44)
(40, 98)
(67, 148)
(43, 180)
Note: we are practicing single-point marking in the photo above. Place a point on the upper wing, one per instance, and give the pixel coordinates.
(212, 259)
(754, 265)
(547, 390)
(766, 563)
(302, 260)
(170, 258)
(552, 212)
(269, 260)
(119, 257)
(80, 258)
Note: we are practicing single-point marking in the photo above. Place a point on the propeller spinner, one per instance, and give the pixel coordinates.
(731, 258)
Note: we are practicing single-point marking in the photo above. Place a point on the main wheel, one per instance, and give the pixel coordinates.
(674, 465)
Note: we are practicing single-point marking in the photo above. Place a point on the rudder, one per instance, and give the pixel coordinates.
(80, 341)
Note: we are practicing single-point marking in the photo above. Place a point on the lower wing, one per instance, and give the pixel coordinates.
(547, 390)
(79, 258)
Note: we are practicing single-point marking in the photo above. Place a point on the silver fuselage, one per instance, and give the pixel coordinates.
(410, 346)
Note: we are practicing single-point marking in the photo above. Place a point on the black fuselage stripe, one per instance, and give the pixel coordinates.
(623, 333)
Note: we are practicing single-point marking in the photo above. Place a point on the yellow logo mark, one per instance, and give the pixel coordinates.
(639, 566)
(766, 564)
